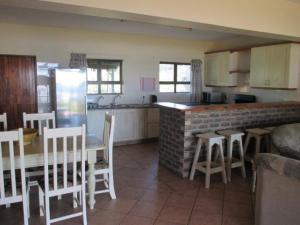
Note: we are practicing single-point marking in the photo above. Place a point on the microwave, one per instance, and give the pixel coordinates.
(213, 97)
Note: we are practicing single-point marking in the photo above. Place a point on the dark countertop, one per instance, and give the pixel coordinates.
(124, 106)
(203, 108)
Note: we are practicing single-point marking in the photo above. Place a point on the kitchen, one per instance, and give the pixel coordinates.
(140, 72)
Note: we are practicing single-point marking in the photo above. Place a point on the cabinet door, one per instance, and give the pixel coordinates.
(124, 125)
(211, 69)
(223, 69)
(17, 88)
(258, 71)
(139, 121)
(277, 63)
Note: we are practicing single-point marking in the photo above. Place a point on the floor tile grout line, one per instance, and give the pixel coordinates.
(156, 219)
(191, 213)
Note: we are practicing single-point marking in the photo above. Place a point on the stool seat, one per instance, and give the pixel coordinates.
(269, 128)
(208, 136)
(228, 133)
(258, 131)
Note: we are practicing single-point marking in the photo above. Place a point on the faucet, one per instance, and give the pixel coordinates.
(113, 103)
(99, 98)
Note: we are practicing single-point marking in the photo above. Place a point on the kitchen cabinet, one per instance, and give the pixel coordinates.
(275, 66)
(130, 124)
(17, 88)
(224, 68)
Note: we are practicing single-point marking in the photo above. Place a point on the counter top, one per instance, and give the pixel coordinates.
(123, 106)
(203, 108)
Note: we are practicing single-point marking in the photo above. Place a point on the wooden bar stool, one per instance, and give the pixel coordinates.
(209, 167)
(233, 136)
(258, 134)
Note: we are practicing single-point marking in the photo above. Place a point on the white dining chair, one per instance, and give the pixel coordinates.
(41, 118)
(55, 184)
(104, 166)
(3, 120)
(10, 190)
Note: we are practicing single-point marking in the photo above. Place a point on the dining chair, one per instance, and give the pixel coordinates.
(68, 145)
(11, 190)
(3, 120)
(104, 166)
(41, 118)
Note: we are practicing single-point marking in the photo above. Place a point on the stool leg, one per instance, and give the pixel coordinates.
(196, 158)
(222, 162)
(253, 178)
(249, 136)
(242, 158)
(208, 165)
(229, 158)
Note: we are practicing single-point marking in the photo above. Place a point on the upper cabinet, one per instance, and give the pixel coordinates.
(224, 68)
(275, 66)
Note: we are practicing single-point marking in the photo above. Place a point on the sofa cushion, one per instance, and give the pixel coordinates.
(286, 140)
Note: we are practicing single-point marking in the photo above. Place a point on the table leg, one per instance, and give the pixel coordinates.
(91, 185)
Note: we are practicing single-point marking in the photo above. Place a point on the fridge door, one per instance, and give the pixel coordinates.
(70, 97)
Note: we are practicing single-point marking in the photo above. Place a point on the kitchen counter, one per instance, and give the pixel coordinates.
(179, 123)
(123, 106)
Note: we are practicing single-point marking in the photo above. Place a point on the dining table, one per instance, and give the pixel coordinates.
(34, 157)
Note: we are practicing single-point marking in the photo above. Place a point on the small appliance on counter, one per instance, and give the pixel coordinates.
(153, 99)
(242, 98)
(213, 97)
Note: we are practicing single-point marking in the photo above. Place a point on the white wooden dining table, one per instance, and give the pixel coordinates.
(34, 157)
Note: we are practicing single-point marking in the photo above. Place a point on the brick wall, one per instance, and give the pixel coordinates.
(177, 143)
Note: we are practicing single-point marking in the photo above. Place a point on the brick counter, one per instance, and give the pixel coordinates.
(178, 123)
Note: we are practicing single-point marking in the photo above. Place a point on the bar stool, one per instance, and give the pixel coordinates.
(258, 134)
(233, 136)
(209, 167)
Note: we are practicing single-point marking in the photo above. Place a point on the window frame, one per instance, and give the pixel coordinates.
(96, 63)
(175, 82)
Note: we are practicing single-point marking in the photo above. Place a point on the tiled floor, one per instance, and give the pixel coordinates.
(149, 194)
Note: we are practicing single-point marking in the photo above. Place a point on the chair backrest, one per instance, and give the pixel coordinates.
(3, 119)
(9, 193)
(64, 143)
(40, 118)
(108, 137)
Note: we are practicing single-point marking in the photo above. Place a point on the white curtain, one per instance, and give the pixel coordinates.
(78, 60)
(196, 80)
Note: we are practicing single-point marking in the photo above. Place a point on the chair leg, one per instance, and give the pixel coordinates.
(111, 185)
(41, 201)
(222, 163)
(25, 209)
(28, 201)
(196, 157)
(229, 158)
(83, 204)
(254, 181)
(106, 180)
(249, 136)
(242, 158)
(75, 205)
(47, 209)
(208, 166)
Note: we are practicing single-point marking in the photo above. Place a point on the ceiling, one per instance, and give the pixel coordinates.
(30, 16)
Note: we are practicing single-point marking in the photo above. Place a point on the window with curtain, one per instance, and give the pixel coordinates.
(104, 76)
(174, 77)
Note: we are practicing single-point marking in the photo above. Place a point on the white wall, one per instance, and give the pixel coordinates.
(140, 54)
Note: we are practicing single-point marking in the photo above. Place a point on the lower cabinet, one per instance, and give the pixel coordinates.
(130, 124)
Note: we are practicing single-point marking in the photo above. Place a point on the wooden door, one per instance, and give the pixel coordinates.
(17, 87)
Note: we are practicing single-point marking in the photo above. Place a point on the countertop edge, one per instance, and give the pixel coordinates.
(220, 107)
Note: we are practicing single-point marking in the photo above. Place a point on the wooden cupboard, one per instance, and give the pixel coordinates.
(275, 66)
(224, 68)
(17, 87)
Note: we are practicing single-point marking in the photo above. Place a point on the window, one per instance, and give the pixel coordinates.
(104, 76)
(174, 77)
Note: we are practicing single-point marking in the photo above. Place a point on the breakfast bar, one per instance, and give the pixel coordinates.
(179, 123)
